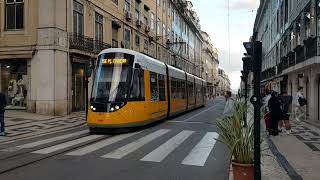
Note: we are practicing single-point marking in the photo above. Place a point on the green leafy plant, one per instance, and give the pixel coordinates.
(238, 139)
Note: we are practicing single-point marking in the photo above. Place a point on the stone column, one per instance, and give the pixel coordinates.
(49, 66)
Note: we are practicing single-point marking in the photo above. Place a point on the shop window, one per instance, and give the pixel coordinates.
(14, 13)
(154, 86)
(137, 88)
(14, 83)
(162, 92)
(78, 24)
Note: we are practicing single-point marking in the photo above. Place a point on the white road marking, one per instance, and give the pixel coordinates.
(165, 149)
(200, 113)
(127, 149)
(46, 141)
(100, 144)
(66, 144)
(200, 153)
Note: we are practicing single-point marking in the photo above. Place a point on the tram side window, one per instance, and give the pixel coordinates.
(154, 86)
(137, 88)
(162, 93)
(190, 89)
(174, 88)
(178, 92)
(183, 89)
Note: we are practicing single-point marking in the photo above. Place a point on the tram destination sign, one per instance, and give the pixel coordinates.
(115, 61)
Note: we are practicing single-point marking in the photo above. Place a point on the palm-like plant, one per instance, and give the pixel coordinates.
(238, 139)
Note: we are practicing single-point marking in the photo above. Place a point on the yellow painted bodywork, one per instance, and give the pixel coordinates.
(142, 112)
(136, 112)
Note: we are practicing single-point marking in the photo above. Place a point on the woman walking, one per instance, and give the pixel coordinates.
(274, 105)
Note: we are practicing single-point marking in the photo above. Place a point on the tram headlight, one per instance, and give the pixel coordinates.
(117, 107)
(94, 109)
(111, 109)
(91, 107)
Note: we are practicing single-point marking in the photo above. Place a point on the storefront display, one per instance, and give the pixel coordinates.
(14, 83)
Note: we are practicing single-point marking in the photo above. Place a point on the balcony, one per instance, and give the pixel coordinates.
(86, 44)
(99, 46)
(311, 47)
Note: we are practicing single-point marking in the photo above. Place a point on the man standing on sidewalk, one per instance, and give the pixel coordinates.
(3, 103)
(300, 103)
(229, 107)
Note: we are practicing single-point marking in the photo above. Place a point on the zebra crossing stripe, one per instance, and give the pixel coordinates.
(66, 144)
(127, 149)
(100, 144)
(200, 153)
(46, 141)
(165, 149)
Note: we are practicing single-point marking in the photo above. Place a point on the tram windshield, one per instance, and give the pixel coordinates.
(112, 78)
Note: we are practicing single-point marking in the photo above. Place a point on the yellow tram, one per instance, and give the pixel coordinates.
(132, 89)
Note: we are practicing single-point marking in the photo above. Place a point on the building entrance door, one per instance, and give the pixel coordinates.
(78, 87)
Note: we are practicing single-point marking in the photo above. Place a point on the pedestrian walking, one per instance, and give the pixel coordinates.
(3, 103)
(275, 113)
(300, 105)
(229, 107)
(286, 101)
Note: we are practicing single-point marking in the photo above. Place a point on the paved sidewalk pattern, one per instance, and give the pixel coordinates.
(20, 124)
(307, 134)
(300, 151)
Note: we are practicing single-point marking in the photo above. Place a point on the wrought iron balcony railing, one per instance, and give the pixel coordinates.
(100, 45)
(80, 42)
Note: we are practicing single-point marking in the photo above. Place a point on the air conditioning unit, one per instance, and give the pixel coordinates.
(147, 28)
(128, 16)
(139, 23)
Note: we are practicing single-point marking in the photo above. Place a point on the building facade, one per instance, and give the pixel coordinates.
(289, 31)
(210, 64)
(47, 47)
(223, 82)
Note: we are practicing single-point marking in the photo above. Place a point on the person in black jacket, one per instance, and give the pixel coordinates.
(274, 105)
(3, 103)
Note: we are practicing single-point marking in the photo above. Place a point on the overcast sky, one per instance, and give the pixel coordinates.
(214, 20)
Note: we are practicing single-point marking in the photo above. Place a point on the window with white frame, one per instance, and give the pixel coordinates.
(152, 21)
(78, 25)
(127, 38)
(163, 30)
(158, 27)
(127, 5)
(98, 27)
(115, 2)
(14, 14)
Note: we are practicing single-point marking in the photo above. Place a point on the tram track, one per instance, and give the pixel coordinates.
(25, 158)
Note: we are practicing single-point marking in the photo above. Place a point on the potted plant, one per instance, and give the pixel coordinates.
(239, 140)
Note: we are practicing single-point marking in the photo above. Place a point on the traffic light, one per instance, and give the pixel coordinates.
(252, 59)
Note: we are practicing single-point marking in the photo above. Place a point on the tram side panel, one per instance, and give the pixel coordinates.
(178, 99)
(191, 92)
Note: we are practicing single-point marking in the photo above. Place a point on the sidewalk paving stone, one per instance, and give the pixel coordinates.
(21, 124)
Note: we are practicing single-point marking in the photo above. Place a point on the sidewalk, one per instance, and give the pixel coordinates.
(295, 156)
(22, 125)
(301, 150)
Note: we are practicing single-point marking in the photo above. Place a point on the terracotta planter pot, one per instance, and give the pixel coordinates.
(242, 171)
